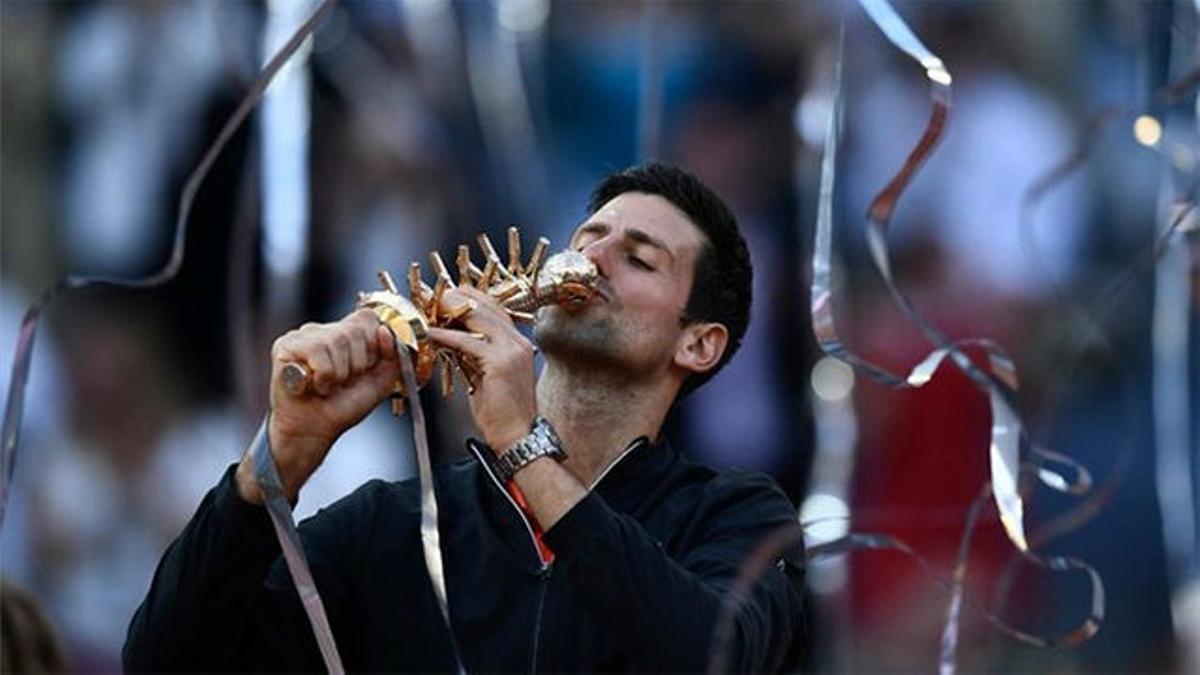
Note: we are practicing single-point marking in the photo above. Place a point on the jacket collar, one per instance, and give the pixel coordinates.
(635, 473)
(626, 482)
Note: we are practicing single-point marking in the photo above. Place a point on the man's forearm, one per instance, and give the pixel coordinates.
(221, 556)
(550, 490)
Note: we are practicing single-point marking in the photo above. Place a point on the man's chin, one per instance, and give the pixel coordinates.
(585, 334)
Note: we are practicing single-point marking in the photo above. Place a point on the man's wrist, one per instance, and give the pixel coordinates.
(505, 439)
(247, 484)
(541, 441)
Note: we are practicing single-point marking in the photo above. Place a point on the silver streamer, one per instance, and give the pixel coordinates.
(15, 405)
(998, 379)
(280, 511)
(501, 99)
(266, 474)
(431, 545)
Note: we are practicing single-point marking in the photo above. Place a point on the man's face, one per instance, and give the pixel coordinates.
(645, 250)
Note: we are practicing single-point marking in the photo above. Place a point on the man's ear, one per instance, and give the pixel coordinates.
(700, 346)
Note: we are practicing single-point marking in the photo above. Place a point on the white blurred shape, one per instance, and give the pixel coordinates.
(284, 126)
(832, 380)
(522, 16)
(825, 517)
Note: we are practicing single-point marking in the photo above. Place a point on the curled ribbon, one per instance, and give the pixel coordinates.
(14, 407)
(998, 379)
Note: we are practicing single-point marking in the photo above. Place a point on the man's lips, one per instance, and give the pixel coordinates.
(604, 292)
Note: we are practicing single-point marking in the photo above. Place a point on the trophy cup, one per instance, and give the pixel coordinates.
(567, 279)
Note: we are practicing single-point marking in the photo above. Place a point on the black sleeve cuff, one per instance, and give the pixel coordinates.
(245, 525)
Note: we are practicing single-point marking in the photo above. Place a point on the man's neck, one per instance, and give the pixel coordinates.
(597, 415)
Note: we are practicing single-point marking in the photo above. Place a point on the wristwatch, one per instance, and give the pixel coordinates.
(541, 442)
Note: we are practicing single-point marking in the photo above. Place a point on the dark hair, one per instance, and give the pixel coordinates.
(721, 285)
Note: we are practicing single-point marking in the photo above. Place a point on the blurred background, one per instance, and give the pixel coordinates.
(405, 126)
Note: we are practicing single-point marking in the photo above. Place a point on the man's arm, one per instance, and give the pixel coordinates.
(193, 615)
(666, 611)
(212, 603)
(221, 597)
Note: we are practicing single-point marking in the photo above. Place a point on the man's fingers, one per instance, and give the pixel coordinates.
(364, 392)
(386, 343)
(339, 350)
(467, 343)
(455, 304)
(363, 318)
(488, 317)
(360, 358)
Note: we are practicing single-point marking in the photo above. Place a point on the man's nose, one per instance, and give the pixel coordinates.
(600, 253)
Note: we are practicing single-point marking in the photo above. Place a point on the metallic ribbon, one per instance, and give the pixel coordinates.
(772, 546)
(431, 545)
(861, 541)
(503, 107)
(266, 474)
(15, 405)
(1085, 311)
(760, 560)
(998, 379)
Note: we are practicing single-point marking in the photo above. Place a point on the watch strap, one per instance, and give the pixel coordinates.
(542, 441)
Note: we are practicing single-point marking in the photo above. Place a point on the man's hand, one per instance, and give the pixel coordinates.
(505, 400)
(504, 403)
(353, 366)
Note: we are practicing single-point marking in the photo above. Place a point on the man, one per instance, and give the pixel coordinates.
(640, 546)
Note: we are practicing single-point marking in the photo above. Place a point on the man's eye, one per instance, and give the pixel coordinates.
(638, 262)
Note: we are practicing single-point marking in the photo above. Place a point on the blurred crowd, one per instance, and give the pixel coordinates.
(425, 122)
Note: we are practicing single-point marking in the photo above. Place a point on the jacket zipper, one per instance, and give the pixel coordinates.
(543, 571)
(544, 576)
(520, 514)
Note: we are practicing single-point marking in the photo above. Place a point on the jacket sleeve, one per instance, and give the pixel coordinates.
(665, 611)
(222, 597)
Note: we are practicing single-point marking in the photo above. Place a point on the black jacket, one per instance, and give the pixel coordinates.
(643, 565)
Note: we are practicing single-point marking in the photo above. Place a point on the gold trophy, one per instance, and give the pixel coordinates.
(567, 279)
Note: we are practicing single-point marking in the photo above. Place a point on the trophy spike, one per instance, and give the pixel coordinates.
(470, 371)
(439, 267)
(447, 375)
(463, 262)
(485, 277)
(435, 305)
(507, 293)
(489, 253)
(514, 250)
(418, 291)
(385, 278)
(538, 257)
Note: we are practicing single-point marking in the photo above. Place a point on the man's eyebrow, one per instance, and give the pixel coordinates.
(645, 238)
(632, 233)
